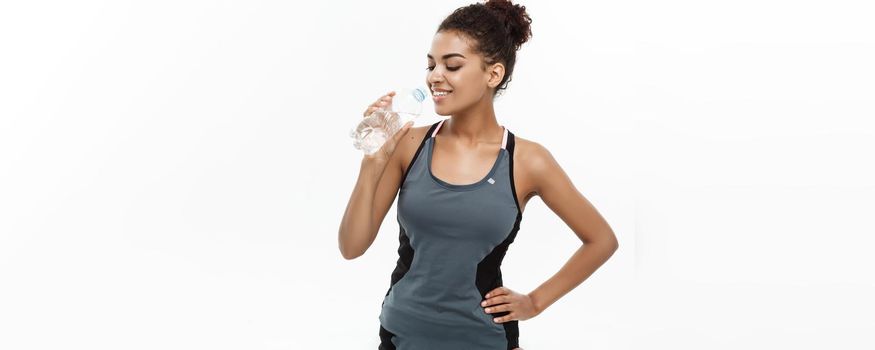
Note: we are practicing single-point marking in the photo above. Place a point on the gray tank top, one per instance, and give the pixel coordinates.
(453, 238)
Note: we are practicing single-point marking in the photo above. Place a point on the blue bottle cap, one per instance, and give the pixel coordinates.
(419, 94)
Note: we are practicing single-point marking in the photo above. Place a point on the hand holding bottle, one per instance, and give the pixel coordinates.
(385, 151)
(384, 101)
(384, 118)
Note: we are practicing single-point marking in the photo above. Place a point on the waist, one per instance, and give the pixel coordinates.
(417, 317)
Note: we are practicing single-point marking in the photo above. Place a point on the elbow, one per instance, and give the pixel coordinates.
(343, 245)
(613, 243)
(608, 242)
(349, 254)
(350, 247)
(609, 246)
(345, 253)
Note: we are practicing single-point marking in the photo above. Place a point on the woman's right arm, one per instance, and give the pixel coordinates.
(370, 201)
(373, 195)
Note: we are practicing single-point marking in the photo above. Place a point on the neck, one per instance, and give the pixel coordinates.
(475, 125)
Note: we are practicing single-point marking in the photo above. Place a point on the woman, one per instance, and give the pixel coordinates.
(456, 223)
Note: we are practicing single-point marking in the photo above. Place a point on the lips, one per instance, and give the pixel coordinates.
(438, 98)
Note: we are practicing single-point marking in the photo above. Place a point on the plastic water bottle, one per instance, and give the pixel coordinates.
(372, 132)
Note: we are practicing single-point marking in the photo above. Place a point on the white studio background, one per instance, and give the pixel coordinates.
(173, 173)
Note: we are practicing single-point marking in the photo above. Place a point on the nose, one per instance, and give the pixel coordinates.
(434, 77)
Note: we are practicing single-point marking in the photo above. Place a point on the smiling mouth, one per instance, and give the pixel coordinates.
(441, 93)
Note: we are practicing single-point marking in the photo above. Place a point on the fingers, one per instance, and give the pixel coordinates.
(384, 100)
(498, 308)
(381, 102)
(369, 111)
(400, 133)
(389, 147)
(509, 317)
(404, 128)
(498, 291)
(501, 299)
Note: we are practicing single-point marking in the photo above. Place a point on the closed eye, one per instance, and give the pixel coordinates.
(448, 68)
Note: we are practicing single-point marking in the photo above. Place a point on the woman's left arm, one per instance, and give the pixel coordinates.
(598, 240)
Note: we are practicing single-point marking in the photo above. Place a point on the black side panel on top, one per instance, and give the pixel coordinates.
(405, 251)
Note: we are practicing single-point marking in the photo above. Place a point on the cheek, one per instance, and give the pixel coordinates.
(468, 84)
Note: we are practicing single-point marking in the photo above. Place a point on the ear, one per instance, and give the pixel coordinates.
(495, 73)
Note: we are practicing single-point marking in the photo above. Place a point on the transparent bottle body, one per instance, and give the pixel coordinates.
(373, 131)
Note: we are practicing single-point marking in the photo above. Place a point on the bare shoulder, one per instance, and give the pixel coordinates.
(533, 163)
(416, 133)
(531, 154)
(407, 146)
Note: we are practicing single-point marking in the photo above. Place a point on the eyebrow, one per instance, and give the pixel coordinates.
(448, 55)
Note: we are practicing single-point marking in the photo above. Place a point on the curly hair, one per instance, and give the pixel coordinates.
(498, 28)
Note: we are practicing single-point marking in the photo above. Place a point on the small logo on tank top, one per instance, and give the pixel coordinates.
(491, 181)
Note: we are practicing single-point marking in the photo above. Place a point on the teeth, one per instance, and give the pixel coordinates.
(441, 93)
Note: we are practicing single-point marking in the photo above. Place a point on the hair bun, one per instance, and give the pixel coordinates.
(516, 21)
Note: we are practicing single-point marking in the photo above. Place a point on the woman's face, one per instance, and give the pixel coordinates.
(454, 68)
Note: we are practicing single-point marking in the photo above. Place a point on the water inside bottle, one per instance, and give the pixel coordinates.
(373, 131)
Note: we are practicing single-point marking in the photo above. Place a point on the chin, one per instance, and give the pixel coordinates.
(442, 112)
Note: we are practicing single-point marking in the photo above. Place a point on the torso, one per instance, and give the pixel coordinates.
(458, 212)
(466, 166)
